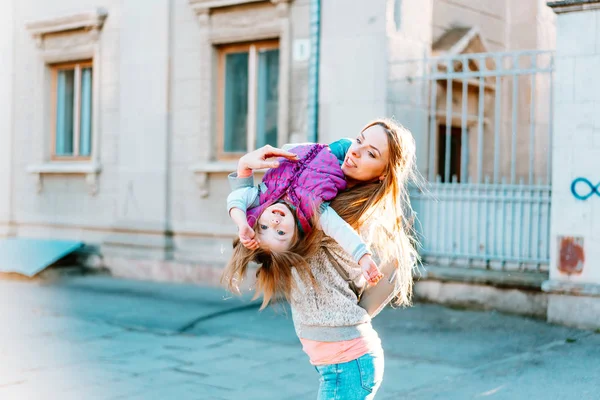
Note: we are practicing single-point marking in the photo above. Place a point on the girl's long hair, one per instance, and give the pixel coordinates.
(274, 276)
(380, 211)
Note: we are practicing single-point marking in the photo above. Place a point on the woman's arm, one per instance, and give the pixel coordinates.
(340, 231)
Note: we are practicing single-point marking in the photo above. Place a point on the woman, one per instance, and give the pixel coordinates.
(335, 332)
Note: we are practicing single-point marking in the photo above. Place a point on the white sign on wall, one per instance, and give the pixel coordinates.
(301, 50)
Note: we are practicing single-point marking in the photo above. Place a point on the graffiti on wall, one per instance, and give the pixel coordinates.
(571, 256)
(583, 189)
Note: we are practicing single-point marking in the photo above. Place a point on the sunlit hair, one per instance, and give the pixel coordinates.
(381, 210)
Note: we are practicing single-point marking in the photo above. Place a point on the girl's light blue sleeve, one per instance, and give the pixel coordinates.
(339, 230)
(243, 198)
(236, 183)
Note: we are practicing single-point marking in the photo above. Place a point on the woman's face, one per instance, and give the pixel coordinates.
(368, 156)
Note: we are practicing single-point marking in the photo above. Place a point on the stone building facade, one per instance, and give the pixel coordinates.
(120, 119)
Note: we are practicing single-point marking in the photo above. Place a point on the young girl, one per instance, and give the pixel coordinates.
(277, 215)
(335, 332)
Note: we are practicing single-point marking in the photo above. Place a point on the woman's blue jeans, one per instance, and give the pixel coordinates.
(354, 380)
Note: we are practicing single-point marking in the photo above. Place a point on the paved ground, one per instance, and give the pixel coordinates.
(102, 338)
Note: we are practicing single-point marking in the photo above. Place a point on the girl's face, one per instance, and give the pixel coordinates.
(276, 228)
(368, 156)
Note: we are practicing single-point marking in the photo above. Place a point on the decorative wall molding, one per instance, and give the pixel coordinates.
(90, 170)
(202, 8)
(89, 21)
(567, 6)
(203, 170)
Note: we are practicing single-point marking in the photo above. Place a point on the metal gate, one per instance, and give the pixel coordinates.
(486, 202)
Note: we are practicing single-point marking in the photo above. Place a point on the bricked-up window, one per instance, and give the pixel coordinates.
(72, 110)
(248, 96)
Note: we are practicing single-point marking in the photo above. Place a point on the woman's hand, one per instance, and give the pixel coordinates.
(258, 159)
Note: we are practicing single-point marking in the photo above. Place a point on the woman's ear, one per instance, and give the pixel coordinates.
(381, 178)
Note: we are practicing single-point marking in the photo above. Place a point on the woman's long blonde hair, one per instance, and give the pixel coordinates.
(379, 210)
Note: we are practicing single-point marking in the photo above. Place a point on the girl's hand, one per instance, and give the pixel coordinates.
(370, 270)
(257, 159)
(246, 235)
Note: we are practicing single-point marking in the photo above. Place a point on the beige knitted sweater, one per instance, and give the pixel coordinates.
(329, 312)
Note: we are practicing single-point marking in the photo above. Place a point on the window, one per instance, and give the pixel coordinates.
(455, 152)
(248, 97)
(72, 110)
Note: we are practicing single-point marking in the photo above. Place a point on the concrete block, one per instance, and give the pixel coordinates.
(571, 218)
(446, 14)
(577, 34)
(366, 79)
(188, 94)
(127, 266)
(564, 81)
(189, 36)
(363, 18)
(596, 138)
(482, 297)
(187, 121)
(563, 129)
(498, 9)
(109, 150)
(188, 65)
(584, 162)
(109, 123)
(109, 97)
(347, 119)
(586, 79)
(576, 311)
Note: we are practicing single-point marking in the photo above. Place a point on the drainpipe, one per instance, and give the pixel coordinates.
(313, 71)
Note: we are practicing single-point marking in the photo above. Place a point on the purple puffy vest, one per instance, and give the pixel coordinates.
(303, 185)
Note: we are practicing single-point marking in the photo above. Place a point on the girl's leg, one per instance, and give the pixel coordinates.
(355, 380)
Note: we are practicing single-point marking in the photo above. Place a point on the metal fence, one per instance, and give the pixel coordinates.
(487, 199)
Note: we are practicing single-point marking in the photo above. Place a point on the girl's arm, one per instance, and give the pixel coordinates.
(238, 202)
(339, 230)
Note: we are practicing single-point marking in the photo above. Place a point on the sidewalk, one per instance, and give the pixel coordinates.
(102, 338)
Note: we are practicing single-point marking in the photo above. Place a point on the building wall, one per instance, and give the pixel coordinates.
(353, 67)
(64, 208)
(506, 25)
(409, 41)
(491, 17)
(157, 119)
(157, 109)
(201, 227)
(574, 285)
(6, 113)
